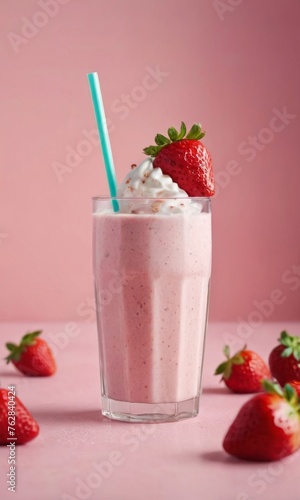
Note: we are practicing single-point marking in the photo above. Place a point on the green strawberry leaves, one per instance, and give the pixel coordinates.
(272, 387)
(292, 345)
(290, 393)
(10, 346)
(161, 140)
(287, 392)
(221, 368)
(152, 150)
(182, 131)
(17, 350)
(195, 134)
(225, 368)
(173, 134)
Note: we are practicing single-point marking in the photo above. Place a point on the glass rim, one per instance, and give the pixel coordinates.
(141, 199)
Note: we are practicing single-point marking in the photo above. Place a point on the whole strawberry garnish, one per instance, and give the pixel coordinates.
(284, 360)
(32, 356)
(185, 159)
(17, 425)
(267, 427)
(244, 371)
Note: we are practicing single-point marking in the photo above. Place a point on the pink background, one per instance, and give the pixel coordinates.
(228, 69)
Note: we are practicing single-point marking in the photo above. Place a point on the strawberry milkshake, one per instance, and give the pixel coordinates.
(152, 265)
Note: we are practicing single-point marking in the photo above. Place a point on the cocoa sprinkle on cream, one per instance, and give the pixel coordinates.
(156, 206)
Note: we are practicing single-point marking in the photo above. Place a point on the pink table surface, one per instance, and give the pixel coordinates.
(81, 455)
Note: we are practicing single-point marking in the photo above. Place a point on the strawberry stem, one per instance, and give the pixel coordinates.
(287, 392)
(161, 141)
(272, 388)
(195, 133)
(17, 350)
(291, 344)
(226, 366)
(182, 131)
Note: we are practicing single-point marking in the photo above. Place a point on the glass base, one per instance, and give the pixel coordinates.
(149, 412)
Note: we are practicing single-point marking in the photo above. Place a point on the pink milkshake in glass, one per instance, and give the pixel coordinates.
(152, 265)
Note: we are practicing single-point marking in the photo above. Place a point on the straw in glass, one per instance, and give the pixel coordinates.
(104, 137)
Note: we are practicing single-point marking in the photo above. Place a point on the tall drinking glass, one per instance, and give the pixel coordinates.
(152, 269)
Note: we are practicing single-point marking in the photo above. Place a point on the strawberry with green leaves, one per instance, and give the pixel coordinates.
(243, 372)
(185, 159)
(284, 360)
(17, 425)
(32, 356)
(267, 427)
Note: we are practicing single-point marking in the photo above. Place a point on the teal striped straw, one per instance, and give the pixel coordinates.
(104, 137)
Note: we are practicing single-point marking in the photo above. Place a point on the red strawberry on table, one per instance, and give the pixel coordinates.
(185, 159)
(267, 427)
(244, 371)
(17, 425)
(284, 360)
(32, 356)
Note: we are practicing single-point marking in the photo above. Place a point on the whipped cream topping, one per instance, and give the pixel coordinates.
(145, 181)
